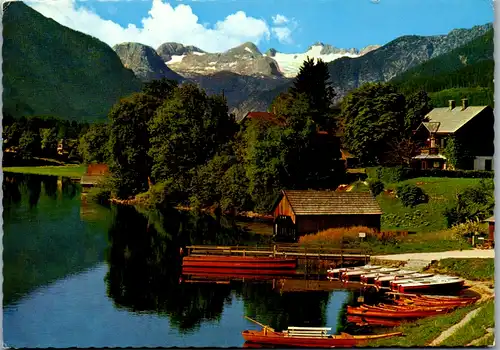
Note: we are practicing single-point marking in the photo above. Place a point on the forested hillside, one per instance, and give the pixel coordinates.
(467, 71)
(49, 69)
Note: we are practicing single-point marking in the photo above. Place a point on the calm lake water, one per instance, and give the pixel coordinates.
(80, 274)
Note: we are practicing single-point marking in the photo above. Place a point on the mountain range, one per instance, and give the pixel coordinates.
(45, 71)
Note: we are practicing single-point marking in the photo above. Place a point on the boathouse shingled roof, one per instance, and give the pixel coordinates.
(311, 202)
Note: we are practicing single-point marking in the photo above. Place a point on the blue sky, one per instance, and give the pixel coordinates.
(341, 23)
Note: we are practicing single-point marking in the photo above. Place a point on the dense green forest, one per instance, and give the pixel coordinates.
(49, 69)
(466, 72)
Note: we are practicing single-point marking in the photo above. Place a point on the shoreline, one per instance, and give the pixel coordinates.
(244, 215)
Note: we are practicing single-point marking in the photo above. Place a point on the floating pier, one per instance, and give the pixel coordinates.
(304, 253)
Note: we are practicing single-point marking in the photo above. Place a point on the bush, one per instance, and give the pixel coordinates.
(411, 195)
(468, 228)
(338, 237)
(389, 175)
(473, 203)
(376, 186)
(99, 195)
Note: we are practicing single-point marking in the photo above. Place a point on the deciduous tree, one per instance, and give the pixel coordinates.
(373, 114)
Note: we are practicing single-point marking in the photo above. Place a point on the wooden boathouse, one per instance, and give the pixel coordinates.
(299, 212)
(94, 173)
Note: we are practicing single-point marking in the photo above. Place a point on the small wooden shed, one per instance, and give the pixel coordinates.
(298, 212)
(94, 173)
(491, 228)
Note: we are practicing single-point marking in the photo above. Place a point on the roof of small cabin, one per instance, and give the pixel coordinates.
(446, 120)
(311, 202)
(491, 219)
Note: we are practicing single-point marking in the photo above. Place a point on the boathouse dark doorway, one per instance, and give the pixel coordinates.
(284, 229)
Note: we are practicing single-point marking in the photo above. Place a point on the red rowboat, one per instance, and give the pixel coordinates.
(236, 272)
(307, 337)
(382, 307)
(240, 262)
(372, 321)
(282, 339)
(395, 314)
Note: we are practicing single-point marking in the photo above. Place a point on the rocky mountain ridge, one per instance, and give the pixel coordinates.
(145, 62)
(379, 65)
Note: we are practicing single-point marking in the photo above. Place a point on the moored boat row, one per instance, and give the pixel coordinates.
(405, 308)
(403, 281)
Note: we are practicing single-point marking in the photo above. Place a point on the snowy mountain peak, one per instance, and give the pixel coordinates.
(289, 63)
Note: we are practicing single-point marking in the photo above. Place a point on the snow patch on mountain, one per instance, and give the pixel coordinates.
(289, 63)
(175, 59)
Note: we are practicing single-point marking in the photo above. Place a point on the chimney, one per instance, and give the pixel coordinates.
(452, 104)
(465, 103)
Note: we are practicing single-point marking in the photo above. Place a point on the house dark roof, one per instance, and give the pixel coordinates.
(446, 120)
(311, 202)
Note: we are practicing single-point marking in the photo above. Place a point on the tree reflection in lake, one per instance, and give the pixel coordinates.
(145, 266)
(44, 238)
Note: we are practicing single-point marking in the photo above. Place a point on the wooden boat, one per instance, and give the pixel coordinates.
(395, 283)
(436, 302)
(396, 313)
(239, 262)
(337, 272)
(237, 273)
(309, 337)
(373, 321)
(369, 278)
(406, 307)
(445, 284)
(384, 281)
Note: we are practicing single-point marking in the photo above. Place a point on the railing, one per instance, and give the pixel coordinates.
(283, 250)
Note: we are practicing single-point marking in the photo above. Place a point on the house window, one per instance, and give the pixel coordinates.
(436, 165)
(443, 143)
(488, 164)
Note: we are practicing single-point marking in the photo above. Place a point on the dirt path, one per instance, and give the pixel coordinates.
(472, 253)
(450, 331)
(486, 293)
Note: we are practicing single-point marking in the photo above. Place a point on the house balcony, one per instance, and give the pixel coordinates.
(429, 150)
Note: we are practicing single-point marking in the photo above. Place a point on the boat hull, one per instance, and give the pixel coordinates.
(399, 314)
(232, 272)
(432, 287)
(337, 341)
(239, 262)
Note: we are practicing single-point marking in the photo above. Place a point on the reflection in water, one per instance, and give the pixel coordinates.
(44, 238)
(79, 274)
(145, 266)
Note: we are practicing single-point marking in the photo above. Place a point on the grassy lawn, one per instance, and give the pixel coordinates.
(475, 328)
(62, 170)
(426, 217)
(422, 242)
(423, 331)
(473, 269)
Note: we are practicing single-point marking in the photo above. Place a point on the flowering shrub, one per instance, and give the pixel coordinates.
(338, 237)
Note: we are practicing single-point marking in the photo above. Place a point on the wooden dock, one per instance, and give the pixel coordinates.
(339, 256)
